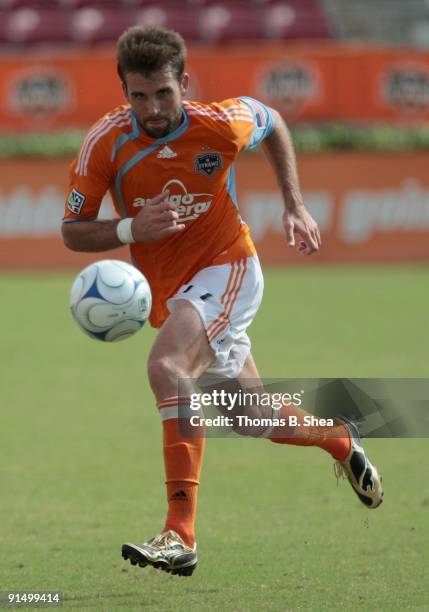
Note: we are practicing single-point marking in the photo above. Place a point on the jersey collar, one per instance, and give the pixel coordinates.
(181, 129)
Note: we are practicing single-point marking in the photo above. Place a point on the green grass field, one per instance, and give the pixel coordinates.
(81, 468)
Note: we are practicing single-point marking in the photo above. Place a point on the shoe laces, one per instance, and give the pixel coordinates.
(164, 540)
(339, 471)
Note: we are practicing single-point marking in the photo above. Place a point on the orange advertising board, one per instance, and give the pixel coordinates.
(305, 82)
(370, 207)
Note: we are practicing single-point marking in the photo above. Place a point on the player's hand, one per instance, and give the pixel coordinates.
(300, 222)
(157, 219)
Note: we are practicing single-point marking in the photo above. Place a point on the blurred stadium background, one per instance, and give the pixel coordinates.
(82, 464)
(351, 80)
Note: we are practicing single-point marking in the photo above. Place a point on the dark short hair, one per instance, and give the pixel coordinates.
(149, 49)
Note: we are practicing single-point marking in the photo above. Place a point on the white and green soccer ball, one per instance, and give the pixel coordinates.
(110, 300)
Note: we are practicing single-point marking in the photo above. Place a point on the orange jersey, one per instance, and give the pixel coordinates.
(195, 164)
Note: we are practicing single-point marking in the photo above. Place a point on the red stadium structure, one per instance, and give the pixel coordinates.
(26, 22)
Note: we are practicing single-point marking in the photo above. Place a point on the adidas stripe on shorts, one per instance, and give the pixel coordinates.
(227, 298)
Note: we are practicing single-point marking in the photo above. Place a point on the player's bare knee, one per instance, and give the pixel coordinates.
(164, 373)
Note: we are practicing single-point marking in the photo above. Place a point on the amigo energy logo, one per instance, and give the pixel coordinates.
(290, 85)
(406, 87)
(189, 206)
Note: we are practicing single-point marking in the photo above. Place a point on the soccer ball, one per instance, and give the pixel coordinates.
(110, 300)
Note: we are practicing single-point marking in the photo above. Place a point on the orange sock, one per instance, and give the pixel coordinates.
(182, 459)
(334, 440)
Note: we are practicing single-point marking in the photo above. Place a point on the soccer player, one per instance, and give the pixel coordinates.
(169, 166)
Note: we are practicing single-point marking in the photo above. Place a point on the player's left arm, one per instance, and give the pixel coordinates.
(280, 152)
(269, 129)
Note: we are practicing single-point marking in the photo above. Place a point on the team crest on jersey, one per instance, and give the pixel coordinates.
(75, 201)
(207, 163)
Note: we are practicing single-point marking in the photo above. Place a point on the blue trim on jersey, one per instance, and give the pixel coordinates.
(232, 190)
(144, 153)
(70, 220)
(178, 131)
(135, 133)
(130, 163)
(230, 185)
(260, 131)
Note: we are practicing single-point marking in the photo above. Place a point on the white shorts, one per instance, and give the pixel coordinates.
(227, 298)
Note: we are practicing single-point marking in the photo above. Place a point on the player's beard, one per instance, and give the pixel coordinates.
(166, 128)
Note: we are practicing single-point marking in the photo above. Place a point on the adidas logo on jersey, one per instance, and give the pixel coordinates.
(166, 153)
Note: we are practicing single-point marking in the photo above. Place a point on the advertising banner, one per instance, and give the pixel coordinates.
(54, 91)
(370, 207)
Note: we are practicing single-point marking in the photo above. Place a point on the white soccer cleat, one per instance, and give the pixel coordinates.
(361, 474)
(166, 551)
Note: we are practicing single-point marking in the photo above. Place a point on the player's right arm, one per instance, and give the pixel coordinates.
(156, 220)
(91, 175)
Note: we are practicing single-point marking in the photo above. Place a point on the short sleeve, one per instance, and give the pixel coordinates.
(263, 121)
(244, 121)
(90, 178)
